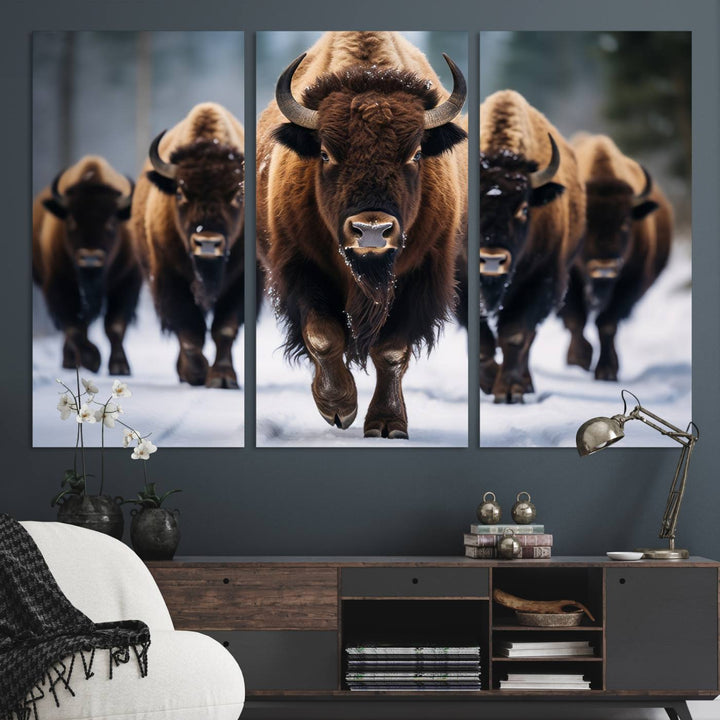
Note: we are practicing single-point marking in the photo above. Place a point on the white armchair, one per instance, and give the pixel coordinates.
(190, 675)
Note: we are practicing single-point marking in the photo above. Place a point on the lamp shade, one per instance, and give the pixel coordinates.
(597, 433)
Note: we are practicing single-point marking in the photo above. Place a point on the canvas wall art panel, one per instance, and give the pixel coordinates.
(138, 236)
(585, 232)
(361, 224)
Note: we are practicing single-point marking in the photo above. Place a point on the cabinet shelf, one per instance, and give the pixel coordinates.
(510, 627)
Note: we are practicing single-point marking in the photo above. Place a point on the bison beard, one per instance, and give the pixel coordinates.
(369, 300)
(91, 286)
(209, 274)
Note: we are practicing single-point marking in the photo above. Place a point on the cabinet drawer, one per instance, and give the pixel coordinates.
(248, 598)
(284, 660)
(414, 582)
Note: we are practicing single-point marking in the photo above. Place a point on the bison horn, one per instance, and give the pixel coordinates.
(646, 190)
(453, 105)
(165, 169)
(54, 189)
(289, 106)
(540, 177)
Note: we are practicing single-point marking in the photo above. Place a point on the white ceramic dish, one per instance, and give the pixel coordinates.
(624, 555)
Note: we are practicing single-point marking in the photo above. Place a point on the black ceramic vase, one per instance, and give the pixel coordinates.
(155, 532)
(95, 512)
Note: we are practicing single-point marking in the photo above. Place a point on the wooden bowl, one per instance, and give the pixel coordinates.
(565, 619)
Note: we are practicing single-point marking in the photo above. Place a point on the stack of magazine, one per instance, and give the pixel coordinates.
(412, 667)
(552, 648)
(540, 681)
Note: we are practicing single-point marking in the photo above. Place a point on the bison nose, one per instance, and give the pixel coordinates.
(371, 232)
(495, 261)
(90, 258)
(207, 244)
(607, 269)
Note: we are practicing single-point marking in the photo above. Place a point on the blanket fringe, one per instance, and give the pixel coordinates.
(63, 672)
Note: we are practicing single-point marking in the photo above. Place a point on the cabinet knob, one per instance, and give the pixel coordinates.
(415, 581)
(226, 644)
(621, 581)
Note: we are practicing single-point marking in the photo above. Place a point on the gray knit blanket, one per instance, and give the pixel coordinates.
(45, 641)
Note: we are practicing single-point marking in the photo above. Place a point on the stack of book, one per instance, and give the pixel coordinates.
(481, 542)
(548, 648)
(417, 668)
(538, 681)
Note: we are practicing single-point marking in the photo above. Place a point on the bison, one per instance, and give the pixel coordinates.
(629, 229)
(188, 229)
(359, 199)
(532, 220)
(83, 259)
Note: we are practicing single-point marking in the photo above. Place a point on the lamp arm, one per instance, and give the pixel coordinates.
(677, 492)
(681, 436)
(668, 526)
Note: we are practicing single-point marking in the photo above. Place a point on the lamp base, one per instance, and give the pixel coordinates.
(663, 553)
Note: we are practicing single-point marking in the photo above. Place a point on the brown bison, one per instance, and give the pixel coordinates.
(629, 229)
(188, 229)
(359, 199)
(83, 259)
(532, 219)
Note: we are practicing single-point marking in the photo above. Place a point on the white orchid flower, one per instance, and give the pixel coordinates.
(86, 415)
(140, 453)
(90, 387)
(128, 437)
(107, 415)
(120, 389)
(147, 444)
(65, 406)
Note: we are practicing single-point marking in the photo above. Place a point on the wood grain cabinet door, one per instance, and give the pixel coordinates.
(662, 629)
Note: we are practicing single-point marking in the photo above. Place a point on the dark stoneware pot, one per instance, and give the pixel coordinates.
(155, 533)
(95, 512)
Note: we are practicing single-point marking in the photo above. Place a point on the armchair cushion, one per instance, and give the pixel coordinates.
(190, 675)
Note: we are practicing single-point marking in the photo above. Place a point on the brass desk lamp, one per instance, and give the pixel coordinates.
(601, 432)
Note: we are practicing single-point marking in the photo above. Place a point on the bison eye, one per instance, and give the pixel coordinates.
(416, 157)
(325, 157)
(522, 213)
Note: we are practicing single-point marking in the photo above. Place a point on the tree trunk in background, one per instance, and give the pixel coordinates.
(143, 100)
(66, 88)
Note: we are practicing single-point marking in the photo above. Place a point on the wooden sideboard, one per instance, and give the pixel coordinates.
(287, 620)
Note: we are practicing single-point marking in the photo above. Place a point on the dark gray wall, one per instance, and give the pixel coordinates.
(347, 501)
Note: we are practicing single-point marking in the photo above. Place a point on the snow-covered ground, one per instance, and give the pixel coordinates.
(435, 389)
(654, 346)
(655, 357)
(176, 414)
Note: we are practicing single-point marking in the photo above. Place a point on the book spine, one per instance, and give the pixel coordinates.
(490, 553)
(478, 529)
(536, 540)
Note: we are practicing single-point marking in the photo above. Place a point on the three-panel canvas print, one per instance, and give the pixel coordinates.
(387, 267)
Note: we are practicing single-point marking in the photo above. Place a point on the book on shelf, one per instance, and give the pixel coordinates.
(545, 677)
(531, 644)
(413, 650)
(546, 652)
(544, 681)
(382, 664)
(492, 540)
(542, 644)
(490, 553)
(506, 685)
(402, 676)
(479, 529)
(416, 688)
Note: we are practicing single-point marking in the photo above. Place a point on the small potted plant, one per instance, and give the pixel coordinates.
(154, 530)
(75, 505)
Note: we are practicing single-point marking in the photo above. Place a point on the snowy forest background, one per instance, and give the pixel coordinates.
(635, 87)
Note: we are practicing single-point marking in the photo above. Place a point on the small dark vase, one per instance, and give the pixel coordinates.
(155, 532)
(95, 512)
